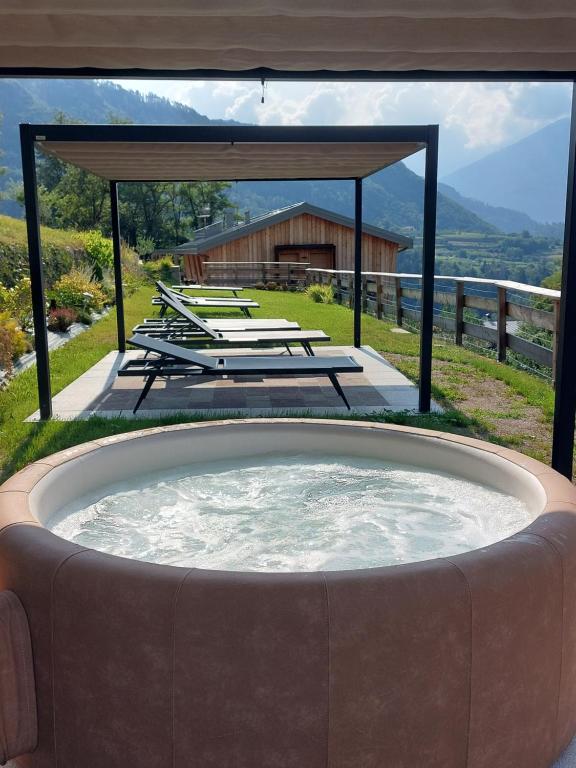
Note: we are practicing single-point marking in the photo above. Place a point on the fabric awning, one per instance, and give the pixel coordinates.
(289, 35)
(229, 161)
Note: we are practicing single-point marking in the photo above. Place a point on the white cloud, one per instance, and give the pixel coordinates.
(475, 118)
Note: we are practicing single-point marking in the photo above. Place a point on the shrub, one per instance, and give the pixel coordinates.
(13, 342)
(260, 287)
(17, 302)
(77, 291)
(133, 274)
(145, 246)
(161, 269)
(61, 319)
(320, 294)
(271, 286)
(85, 317)
(99, 252)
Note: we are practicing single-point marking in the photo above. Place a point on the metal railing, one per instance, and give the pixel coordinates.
(498, 308)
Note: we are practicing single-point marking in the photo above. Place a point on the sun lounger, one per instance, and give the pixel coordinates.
(225, 323)
(197, 330)
(191, 287)
(173, 360)
(202, 302)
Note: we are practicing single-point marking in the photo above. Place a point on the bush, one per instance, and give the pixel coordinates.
(77, 291)
(61, 319)
(271, 286)
(13, 342)
(133, 274)
(260, 287)
(320, 294)
(85, 317)
(161, 269)
(145, 246)
(99, 252)
(17, 302)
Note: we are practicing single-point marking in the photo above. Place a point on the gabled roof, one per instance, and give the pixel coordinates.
(205, 241)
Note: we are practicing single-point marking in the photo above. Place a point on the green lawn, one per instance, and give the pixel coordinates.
(480, 397)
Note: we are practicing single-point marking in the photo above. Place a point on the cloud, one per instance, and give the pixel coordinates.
(474, 118)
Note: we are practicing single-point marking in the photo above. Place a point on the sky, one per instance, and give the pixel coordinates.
(475, 118)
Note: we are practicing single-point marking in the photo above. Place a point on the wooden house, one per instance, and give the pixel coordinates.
(300, 234)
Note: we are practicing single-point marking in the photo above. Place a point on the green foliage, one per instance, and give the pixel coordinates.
(99, 252)
(61, 319)
(144, 245)
(17, 302)
(161, 269)
(77, 291)
(13, 342)
(320, 294)
(133, 274)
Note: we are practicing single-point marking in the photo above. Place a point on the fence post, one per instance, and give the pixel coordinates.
(379, 297)
(351, 292)
(364, 303)
(555, 334)
(501, 325)
(338, 289)
(459, 312)
(398, 291)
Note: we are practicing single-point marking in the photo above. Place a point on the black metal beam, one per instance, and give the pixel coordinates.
(317, 75)
(231, 133)
(36, 271)
(358, 262)
(565, 397)
(428, 259)
(117, 246)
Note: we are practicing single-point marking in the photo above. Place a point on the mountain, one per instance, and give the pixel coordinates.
(528, 176)
(393, 198)
(504, 219)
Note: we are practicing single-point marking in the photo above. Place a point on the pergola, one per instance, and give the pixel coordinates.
(132, 153)
(523, 40)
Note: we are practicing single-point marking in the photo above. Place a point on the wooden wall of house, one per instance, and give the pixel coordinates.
(377, 255)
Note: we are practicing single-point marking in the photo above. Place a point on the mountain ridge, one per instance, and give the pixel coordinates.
(505, 179)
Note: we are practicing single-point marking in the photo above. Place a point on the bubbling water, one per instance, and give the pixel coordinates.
(292, 513)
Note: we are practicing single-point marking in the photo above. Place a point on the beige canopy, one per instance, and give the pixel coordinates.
(225, 160)
(289, 35)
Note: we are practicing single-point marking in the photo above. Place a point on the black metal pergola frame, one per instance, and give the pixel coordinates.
(30, 135)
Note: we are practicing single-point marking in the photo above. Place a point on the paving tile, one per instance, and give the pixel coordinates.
(99, 390)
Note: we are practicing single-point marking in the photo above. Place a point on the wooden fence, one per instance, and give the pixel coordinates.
(250, 273)
(397, 295)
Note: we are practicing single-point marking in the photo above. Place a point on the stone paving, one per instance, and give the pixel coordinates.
(101, 392)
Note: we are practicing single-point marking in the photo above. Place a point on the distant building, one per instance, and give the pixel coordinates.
(300, 233)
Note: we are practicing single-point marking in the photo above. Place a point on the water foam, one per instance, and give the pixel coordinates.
(292, 513)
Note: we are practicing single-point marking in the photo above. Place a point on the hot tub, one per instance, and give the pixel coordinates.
(468, 660)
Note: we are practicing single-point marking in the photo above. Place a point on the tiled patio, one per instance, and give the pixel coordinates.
(101, 392)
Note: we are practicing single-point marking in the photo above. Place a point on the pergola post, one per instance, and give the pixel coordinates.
(357, 262)
(428, 259)
(565, 397)
(36, 271)
(117, 247)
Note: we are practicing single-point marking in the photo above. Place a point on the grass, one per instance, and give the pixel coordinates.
(13, 232)
(481, 397)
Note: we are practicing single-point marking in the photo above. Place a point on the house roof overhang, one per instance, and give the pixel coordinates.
(203, 244)
(287, 36)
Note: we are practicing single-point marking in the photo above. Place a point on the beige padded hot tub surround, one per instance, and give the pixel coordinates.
(460, 662)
